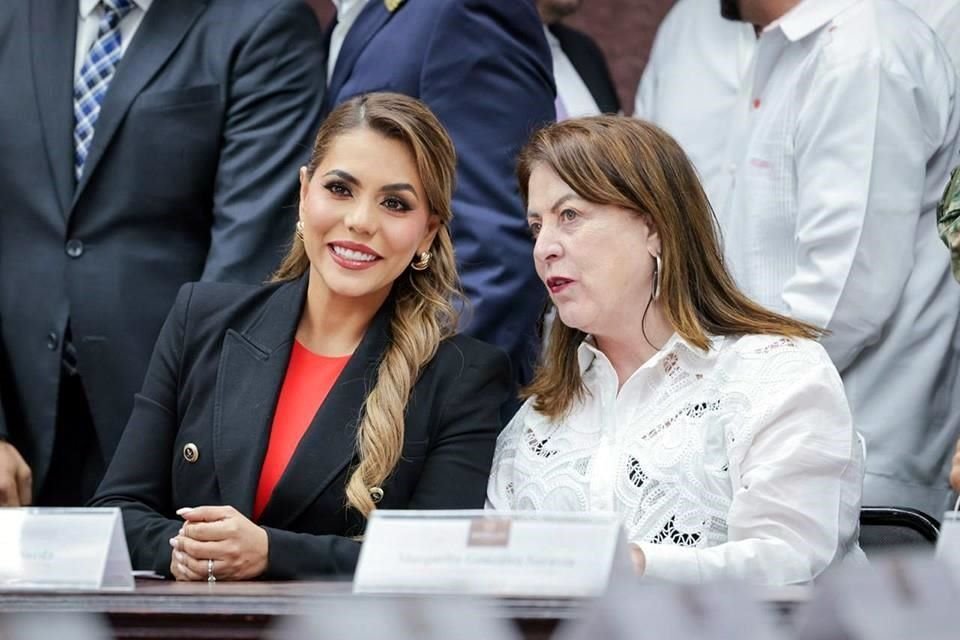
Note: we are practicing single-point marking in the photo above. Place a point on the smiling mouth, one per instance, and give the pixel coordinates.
(353, 257)
(557, 284)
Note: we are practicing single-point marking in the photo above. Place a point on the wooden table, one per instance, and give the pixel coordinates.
(224, 610)
(229, 610)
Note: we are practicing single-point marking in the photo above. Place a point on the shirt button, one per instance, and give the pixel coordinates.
(52, 341)
(74, 248)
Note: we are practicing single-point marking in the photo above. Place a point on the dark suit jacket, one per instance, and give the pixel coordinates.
(192, 174)
(214, 381)
(589, 61)
(484, 68)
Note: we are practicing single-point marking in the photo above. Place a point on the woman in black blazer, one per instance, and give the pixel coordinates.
(410, 421)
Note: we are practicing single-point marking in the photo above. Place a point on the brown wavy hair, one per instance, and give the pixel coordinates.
(615, 160)
(426, 302)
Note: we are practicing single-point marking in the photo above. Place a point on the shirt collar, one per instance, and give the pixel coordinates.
(87, 6)
(588, 351)
(348, 7)
(551, 39)
(809, 16)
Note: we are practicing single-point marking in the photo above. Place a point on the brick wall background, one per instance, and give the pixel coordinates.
(624, 29)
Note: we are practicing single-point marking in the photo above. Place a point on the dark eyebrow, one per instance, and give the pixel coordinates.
(556, 205)
(399, 186)
(343, 175)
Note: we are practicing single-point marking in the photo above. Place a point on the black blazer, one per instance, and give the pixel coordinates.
(214, 380)
(192, 175)
(589, 61)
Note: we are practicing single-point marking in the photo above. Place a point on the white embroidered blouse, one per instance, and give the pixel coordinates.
(737, 462)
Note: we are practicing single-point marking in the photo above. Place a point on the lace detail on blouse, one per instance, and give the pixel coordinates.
(665, 452)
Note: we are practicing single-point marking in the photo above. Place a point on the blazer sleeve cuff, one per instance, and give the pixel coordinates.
(292, 556)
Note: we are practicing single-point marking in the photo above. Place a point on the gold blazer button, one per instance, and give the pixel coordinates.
(376, 494)
(190, 452)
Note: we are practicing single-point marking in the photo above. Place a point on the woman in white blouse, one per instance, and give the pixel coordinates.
(717, 430)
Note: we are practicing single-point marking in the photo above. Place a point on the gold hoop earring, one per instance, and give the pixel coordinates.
(657, 274)
(300, 229)
(422, 262)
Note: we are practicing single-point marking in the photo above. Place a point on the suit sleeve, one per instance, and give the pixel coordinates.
(138, 479)
(275, 96)
(454, 474)
(488, 77)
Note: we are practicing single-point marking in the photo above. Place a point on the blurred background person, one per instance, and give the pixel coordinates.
(841, 147)
(274, 419)
(483, 67)
(584, 85)
(716, 429)
(698, 66)
(145, 144)
(691, 85)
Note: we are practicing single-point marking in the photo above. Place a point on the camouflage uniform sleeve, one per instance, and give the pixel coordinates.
(948, 220)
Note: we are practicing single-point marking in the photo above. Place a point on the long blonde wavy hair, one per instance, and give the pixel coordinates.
(614, 160)
(426, 302)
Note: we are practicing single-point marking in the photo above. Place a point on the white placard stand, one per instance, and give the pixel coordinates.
(948, 541)
(491, 553)
(55, 549)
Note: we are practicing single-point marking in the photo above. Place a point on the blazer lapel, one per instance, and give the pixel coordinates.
(329, 444)
(53, 38)
(253, 363)
(162, 29)
(371, 19)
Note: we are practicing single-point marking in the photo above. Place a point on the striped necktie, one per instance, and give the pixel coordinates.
(94, 78)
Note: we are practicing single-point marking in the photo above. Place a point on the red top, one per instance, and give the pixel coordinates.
(308, 380)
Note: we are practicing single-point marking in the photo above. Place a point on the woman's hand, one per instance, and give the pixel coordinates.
(955, 471)
(237, 546)
(639, 560)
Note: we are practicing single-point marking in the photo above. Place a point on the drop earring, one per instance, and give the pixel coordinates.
(657, 274)
(422, 262)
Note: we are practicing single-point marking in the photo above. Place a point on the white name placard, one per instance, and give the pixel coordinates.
(53, 549)
(948, 542)
(491, 553)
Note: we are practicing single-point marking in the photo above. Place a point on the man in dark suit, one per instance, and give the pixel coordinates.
(145, 143)
(584, 85)
(483, 67)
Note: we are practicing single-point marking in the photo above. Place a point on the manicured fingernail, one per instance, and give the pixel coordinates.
(173, 542)
(180, 533)
(183, 510)
(183, 569)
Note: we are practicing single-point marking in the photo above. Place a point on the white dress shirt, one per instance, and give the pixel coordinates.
(944, 17)
(740, 462)
(347, 13)
(842, 148)
(697, 68)
(691, 83)
(88, 25)
(571, 89)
